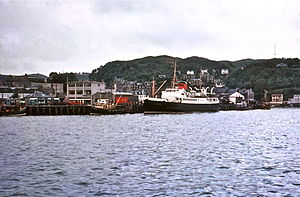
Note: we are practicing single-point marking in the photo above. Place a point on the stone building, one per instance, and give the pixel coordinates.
(50, 88)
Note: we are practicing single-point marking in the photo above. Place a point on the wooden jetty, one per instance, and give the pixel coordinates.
(58, 110)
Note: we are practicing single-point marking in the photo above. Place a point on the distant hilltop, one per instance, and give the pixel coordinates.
(148, 67)
(54, 77)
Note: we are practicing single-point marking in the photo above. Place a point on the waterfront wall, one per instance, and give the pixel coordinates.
(58, 110)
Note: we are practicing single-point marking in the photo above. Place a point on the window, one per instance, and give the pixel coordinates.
(79, 92)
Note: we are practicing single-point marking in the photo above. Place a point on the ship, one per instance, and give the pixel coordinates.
(178, 99)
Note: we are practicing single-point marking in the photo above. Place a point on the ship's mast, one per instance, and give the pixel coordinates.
(174, 75)
(153, 88)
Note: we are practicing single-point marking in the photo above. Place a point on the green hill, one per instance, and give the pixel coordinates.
(266, 75)
(144, 69)
(135, 70)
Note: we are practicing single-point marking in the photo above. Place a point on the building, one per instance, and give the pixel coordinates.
(296, 98)
(98, 97)
(224, 93)
(277, 99)
(248, 94)
(224, 72)
(50, 88)
(82, 91)
(189, 75)
(237, 98)
(203, 71)
(125, 98)
(39, 98)
(295, 101)
(121, 85)
(8, 94)
(114, 98)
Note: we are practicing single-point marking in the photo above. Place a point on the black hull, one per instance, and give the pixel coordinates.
(169, 107)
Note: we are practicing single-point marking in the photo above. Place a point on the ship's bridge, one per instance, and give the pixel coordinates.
(172, 94)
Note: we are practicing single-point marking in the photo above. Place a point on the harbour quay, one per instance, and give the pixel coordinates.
(58, 110)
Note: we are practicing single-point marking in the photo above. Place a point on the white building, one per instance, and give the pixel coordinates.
(6, 95)
(203, 71)
(224, 72)
(82, 91)
(277, 99)
(295, 99)
(237, 98)
(190, 72)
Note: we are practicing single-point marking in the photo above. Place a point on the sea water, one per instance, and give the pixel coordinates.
(227, 153)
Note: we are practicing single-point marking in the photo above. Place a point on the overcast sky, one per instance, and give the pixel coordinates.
(79, 36)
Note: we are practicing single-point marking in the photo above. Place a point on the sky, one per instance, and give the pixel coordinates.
(79, 36)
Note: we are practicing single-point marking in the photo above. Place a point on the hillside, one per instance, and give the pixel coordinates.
(150, 67)
(38, 76)
(266, 75)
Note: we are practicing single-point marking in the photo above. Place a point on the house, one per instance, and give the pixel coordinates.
(295, 100)
(277, 99)
(14, 94)
(189, 75)
(224, 71)
(39, 98)
(100, 96)
(203, 71)
(121, 85)
(82, 91)
(190, 72)
(237, 98)
(195, 82)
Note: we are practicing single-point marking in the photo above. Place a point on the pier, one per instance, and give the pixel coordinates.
(58, 110)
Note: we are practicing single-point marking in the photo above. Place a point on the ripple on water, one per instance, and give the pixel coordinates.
(249, 153)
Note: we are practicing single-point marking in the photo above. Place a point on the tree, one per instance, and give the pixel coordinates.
(259, 87)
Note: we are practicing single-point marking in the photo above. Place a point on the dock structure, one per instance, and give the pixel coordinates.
(58, 110)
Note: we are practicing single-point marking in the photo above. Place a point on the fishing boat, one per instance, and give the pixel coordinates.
(176, 99)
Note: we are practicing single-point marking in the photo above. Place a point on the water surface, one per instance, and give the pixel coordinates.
(232, 153)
